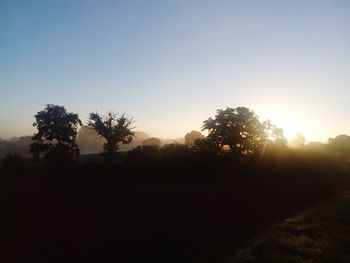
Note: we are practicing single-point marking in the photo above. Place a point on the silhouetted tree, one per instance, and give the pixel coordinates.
(90, 142)
(114, 129)
(236, 130)
(274, 135)
(192, 136)
(205, 148)
(143, 154)
(57, 131)
(153, 142)
(175, 151)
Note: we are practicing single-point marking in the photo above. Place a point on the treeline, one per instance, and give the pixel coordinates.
(88, 141)
(232, 132)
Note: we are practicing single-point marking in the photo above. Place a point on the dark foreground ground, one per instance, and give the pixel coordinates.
(320, 234)
(135, 213)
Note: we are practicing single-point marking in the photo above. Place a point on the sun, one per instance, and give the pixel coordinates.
(290, 124)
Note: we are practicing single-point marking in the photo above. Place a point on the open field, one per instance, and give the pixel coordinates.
(171, 212)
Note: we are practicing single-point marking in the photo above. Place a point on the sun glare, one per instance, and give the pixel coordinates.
(290, 124)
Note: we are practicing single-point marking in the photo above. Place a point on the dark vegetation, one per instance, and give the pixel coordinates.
(114, 130)
(194, 202)
(320, 234)
(57, 131)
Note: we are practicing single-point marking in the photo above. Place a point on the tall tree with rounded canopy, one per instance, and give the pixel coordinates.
(115, 129)
(236, 130)
(57, 131)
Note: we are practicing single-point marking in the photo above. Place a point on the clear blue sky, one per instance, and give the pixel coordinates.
(171, 64)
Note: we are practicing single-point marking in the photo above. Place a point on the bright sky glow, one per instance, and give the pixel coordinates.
(171, 64)
(290, 124)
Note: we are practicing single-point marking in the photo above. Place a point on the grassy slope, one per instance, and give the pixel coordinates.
(321, 234)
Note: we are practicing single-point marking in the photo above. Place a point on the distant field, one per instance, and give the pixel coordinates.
(320, 234)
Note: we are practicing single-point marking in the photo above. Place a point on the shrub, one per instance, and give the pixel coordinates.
(144, 153)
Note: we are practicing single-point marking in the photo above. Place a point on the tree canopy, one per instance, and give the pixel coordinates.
(114, 129)
(274, 135)
(192, 136)
(239, 130)
(57, 131)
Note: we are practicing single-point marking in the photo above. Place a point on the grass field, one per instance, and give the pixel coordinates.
(320, 234)
(170, 212)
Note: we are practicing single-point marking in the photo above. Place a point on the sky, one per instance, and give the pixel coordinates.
(172, 64)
